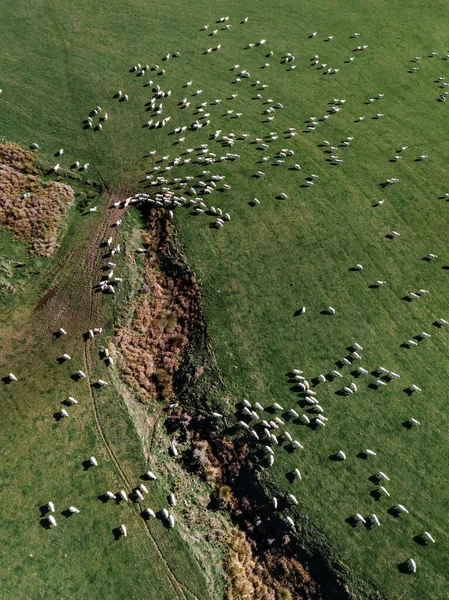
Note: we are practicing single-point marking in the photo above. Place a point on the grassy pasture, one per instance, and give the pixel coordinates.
(43, 458)
(272, 259)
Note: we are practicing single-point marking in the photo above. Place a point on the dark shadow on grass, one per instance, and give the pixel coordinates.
(116, 533)
(407, 425)
(418, 539)
(394, 512)
(362, 456)
(45, 523)
(290, 476)
(335, 458)
(66, 513)
(376, 495)
(57, 416)
(6, 380)
(403, 568)
(44, 510)
(352, 521)
(87, 465)
(103, 498)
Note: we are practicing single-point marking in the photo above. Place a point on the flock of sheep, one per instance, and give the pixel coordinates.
(196, 192)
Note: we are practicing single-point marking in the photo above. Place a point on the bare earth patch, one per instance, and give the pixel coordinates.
(152, 346)
(32, 209)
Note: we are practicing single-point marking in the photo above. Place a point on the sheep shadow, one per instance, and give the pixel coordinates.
(57, 416)
(418, 539)
(376, 495)
(394, 512)
(44, 510)
(45, 523)
(375, 479)
(103, 498)
(6, 380)
(403, 568)
(116, 533)
(352, 521)
(407, 425)
(290, 476)
(362, 456)
(66, 513)
(87, 465)
(335, 458)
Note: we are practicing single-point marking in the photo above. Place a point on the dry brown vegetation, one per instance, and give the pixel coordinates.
(152, 346)
(35, 220)
(245, 575)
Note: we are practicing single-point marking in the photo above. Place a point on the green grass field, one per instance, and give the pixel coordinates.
(60, 61)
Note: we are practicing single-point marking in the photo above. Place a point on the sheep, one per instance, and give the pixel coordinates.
(51, 521)
(51, 507)
(102, 383)
(143, 488)
(80, 374)
(400, 508)
(62, 331)
(341, 455)
(111, 496)
(12, 377)
(414, 388)
(381, 475)
(413, 421)
(331, 310)
(322, 378)
(362, 371)
(358, 517)
(73, 510)
(63, 413)
(277, 406)
(383, 492)
(427, 537)
(411, 565)
(172, 499)
(292, 498)
(374, 519)
(290, 521)
(71, 400)
(305, 419)
(123, 530)
(123, 495)
(66, 357)
(368, 452)
(297, 445)
(270, 460)
(174, 451)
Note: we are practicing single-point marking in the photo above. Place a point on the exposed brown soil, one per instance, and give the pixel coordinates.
(153, 345)
(35, 219)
